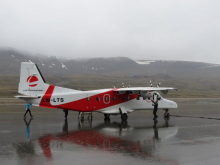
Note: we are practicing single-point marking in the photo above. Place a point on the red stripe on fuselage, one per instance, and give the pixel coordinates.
(84, 105)
(45, 101)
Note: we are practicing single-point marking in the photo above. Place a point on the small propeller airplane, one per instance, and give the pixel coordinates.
(115, 101)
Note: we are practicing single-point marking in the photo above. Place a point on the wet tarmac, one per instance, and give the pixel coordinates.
(190, 136)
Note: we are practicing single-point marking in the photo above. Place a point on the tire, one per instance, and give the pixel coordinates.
(107, 116)
(124, 117)
(167, 115)
(107, 120)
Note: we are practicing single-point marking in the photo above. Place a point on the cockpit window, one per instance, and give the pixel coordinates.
(159, 97)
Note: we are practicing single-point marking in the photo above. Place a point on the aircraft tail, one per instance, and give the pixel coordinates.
(32, 82)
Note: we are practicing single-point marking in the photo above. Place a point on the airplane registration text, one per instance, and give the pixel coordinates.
(53, 100)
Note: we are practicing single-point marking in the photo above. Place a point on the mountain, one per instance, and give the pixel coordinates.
(118, 66)
(193, 79)
(115, 66)
(179, 68)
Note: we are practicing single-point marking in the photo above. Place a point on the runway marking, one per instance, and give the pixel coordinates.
(11, 112)
(205, 141)
(12, 104)
(212, 118)
(31, 111)
(152, 156)
(201, 141)
(208, 125)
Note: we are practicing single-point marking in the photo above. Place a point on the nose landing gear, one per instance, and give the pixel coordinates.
(166, 114)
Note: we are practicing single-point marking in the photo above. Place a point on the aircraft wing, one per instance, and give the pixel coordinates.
(145, 89)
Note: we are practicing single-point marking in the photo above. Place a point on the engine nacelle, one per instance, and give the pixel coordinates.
(165, 92)
(149, 94)
(146, 94)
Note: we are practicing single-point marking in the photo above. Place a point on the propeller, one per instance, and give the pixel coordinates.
(151, 85)
(158, 85)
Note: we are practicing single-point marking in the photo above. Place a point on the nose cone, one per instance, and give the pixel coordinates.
(169, 104)
(173, 104)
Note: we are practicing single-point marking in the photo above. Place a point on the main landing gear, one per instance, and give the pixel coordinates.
(107, 115)
(166, 114)
(124, 117)
(107, 118)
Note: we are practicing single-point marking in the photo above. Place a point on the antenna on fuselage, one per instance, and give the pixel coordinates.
(122, 85)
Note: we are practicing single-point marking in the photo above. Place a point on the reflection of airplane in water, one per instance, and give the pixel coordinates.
(109, 137)
(114, 137)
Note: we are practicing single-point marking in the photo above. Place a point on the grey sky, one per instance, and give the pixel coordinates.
(140, 29)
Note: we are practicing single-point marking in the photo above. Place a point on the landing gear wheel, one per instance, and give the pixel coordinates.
(166, 114)
(124, 117)
(107, 120)
(107, 116)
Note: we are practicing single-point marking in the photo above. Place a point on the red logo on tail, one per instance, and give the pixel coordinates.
(32, 80)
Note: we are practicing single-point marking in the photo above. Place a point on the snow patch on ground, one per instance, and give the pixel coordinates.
(70, 58)
(144, 62)
(212, 66)
(42, 62)
(63, 66)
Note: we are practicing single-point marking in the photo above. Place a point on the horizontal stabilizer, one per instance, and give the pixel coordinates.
(28, 97)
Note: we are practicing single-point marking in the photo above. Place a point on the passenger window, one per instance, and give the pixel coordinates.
(114, 98)
(98, 98)
(128, 98)
(123, 98)
(106, 98)
(88, 98)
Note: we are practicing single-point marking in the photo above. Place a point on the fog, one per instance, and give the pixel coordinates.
(142, 29)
